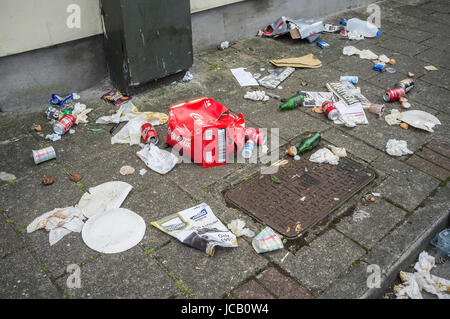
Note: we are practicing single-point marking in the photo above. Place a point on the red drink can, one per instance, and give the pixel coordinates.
(64, 124)
(149, 134)
(394, 94)
(330, 110)
(254, 135)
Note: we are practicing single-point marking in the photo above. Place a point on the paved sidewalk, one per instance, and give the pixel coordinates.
(329, 261)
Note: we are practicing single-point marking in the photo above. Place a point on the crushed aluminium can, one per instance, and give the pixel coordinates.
(149, 134)
(44, 154)
(330, 110)
(406, 84)
(394, 94)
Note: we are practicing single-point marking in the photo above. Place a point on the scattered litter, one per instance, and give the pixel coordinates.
(414, 283)
(7, 176)
(114, 231)
(306, 61)
(71, 131)
(256, 96)
(76, 177)
(187, 77)
(390, 70)
(324, 155)
(197, 227)
(237, 227)
(274, 96)
(404, 126)
(256, 76)
(298, 29)
(244, 78)
(156, 159)
(355, 35)
(48, 180)
(349, 93)
(296, 158)
(80, 113)
(224, 45)
(274, 79)
(410, 74)
(360, 215)
(267, 240)
(38, 128)
(104, 197)
(322, 44)
(126, 170)
(376, 194)
(129, 111)
(366, 28)
(303, 198)
(363, 54)
(53, 137)
(430, 68)
(442, 241)
(142, 171)
(350, 115)
(59, 222)
(420, 119)
(377, 109)
(397, 148)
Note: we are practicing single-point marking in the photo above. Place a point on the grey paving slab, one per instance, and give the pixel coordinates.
(382, 214)
(128, 275)
(438, 78)
(353, 146)
(352, 286)
(404, 46)
(407, 32)
(230, 58)
(17, 157)
(440, 42)
(437, 6)
(436, 57)
(162, 198)
(407, 186)
(23, 278)
(28, 198)
(320, 263)
(430, 95)
(211, 277)
(439, 17)
(10, 241)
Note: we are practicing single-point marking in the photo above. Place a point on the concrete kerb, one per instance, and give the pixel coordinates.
(408, 257)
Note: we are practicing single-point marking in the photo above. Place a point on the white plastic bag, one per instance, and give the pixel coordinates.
(324, 155)
(158, 160)
(397, 148)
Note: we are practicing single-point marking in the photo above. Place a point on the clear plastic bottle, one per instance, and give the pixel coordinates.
(365, 28)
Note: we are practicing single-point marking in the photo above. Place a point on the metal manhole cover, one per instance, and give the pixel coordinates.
(322, 187)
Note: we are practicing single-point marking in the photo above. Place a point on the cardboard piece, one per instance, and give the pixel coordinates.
(307, 61)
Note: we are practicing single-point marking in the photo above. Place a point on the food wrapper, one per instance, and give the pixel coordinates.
(267, 240)
(199, 228)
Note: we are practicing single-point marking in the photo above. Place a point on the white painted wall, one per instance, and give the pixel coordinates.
(32, 24)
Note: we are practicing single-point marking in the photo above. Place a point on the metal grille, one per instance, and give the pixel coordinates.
(306, 194)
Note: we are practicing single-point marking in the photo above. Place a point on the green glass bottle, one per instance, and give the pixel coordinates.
(293, 102)
(309, 143)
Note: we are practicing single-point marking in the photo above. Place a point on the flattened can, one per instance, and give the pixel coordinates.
(44, 154)
(330, 110)
(406, 84)
(254, 135)
(394, 94)
(149, 134)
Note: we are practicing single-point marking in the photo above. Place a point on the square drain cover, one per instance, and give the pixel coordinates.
(306, 193)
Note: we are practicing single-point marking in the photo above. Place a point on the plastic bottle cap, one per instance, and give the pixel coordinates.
(378, 33)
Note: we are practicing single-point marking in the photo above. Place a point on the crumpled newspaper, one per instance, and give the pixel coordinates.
(156, 159)
(397, 148)
(237, 227)
(59, 222)
(256, 96)
(414, 283)
(324, 155)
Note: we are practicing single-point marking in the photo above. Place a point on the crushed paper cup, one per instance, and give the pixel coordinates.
(267, 240)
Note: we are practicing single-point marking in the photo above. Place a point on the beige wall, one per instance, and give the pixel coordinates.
(32, 24)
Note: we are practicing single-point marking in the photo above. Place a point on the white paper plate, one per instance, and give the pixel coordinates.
(114, 231)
